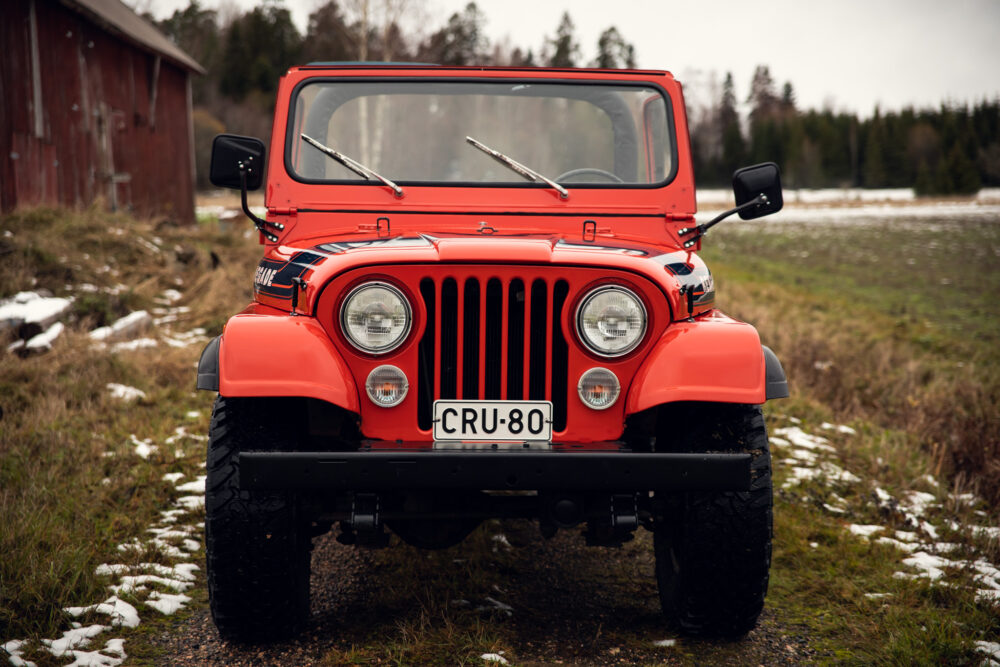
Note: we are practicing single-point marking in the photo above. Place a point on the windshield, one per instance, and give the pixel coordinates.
(415, 132)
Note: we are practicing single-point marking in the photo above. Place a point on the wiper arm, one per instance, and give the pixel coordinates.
(519, 168)
(356, 167)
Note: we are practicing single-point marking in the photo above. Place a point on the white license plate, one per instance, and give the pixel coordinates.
(498, 421)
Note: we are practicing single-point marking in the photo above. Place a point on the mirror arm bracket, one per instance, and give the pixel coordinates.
(699, 230)
(259, 223)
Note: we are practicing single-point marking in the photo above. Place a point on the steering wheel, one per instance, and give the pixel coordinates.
(592, 171)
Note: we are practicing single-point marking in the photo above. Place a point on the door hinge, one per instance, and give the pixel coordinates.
(290, 211)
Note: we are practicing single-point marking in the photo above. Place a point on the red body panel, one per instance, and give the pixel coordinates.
(282, 355)
(715, 358)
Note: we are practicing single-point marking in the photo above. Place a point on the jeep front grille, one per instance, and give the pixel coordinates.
(498, 338)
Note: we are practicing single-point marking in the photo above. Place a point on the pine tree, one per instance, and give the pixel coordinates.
(327, 37)
(874, 160)
(565, 48)
(963, 175)
(461, 42)
(613, 51)
(733, 145)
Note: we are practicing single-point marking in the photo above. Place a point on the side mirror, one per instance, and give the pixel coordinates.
(749, 183)
(229, 151)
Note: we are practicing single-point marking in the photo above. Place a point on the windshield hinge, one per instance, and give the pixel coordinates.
(286, 210)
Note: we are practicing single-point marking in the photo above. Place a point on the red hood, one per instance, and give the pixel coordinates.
(319, 260)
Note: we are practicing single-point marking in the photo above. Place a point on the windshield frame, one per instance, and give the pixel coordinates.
(290, 135)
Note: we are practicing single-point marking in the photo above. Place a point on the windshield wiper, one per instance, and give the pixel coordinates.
(353, 165)
(519, 168)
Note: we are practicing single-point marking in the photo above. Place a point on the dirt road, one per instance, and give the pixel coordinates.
(540, 601)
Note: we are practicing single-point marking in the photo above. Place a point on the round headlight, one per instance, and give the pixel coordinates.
(598, 388)
(611, 321)
(386, 386)
(375, 317)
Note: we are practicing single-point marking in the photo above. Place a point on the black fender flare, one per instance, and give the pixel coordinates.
(774, 375)
(208, 366)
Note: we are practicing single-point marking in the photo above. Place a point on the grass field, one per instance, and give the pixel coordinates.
(888, 324)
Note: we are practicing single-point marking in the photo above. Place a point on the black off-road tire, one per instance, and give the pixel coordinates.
(257, 548)
(713, 550)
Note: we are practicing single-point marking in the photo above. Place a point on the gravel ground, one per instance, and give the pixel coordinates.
(571, 605)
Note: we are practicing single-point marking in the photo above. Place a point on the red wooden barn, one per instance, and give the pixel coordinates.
(94, 103)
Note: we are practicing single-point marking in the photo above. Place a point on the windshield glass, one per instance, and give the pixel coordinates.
(415, 132)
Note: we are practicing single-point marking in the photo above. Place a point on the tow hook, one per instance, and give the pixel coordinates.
(366, 520)
(618, 525)
(624, 513)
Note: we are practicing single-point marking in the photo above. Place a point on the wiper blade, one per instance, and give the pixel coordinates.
(353, 165)
(519, 168)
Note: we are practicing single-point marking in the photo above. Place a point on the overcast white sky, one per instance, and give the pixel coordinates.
(848, 54)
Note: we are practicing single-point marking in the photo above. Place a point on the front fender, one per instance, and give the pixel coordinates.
(715, 359)
(283, 355)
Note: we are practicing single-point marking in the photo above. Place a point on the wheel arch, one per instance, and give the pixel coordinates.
(271, 355)
(717, 359)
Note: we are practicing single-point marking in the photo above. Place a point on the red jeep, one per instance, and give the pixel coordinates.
(479, 297)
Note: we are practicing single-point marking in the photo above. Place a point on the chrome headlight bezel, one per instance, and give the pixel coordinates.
(590, 344)
(376, 349)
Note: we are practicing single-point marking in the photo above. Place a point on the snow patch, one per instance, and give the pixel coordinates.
(494, 657)
(492, 604)
(501, 540)
(191, 502)
(121, 612)
(800, 438)
(123, 327)
(14, 649)
(131, 345)
(907, 547)
(143, 448)
(110, 570)
(985, 531)
(169, 296)
(197, 486)
(991, 649)
(131, 583)
(125, 392)
(172, 477)
(839, 428)
(44, 340)
(72, 639)
(830, 472)
(864, 530)
(930, 566)
(665, 643)
(97, 659)
(166, 603)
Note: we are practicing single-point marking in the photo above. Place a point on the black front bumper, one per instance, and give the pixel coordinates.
(493, 470)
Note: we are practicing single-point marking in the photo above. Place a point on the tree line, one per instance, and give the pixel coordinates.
(952, 149)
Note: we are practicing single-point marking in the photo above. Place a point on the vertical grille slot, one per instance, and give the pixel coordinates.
(538, 330)
(449, 339)
(497, 339)
(425, 372)
(494, 338)
(560, 358)
(515, 340)
(470, 340)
